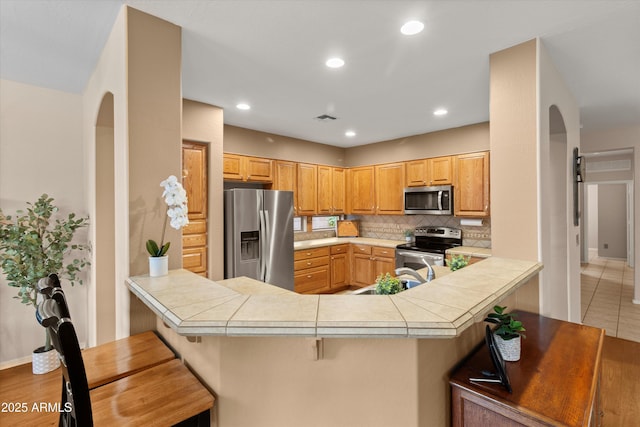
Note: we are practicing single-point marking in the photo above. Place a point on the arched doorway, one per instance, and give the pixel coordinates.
(104, 302)
(555, 215)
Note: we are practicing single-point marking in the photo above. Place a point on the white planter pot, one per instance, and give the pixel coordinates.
(44, 361)
(509, 349)
(158, 265)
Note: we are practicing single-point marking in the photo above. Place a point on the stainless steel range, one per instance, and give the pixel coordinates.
(430, 244)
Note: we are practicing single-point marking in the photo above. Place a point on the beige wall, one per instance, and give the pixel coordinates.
(40, 152)
(559, 238)
(513, 135)
(204, 123)
(465, 139)
(255, 143)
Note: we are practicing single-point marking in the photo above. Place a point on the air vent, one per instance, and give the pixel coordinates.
(325, 118)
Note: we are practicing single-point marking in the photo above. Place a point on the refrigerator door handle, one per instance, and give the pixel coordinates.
(266, 256)
(263, 248)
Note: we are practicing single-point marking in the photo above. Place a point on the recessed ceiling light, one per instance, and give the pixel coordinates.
(334, 62)
(412, 27)
(440, 112)
(243, 106)
(350, 133)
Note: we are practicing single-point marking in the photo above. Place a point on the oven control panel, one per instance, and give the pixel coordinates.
(442, 232)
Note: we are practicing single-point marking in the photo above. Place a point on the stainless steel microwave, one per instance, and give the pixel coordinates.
(436, 200)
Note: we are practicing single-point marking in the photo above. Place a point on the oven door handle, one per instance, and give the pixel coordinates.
(418, 255)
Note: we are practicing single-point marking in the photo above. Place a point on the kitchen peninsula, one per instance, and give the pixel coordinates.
(278, 358)
(445, 307)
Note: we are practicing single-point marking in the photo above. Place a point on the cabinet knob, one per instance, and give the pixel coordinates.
(309, 276)
(308, 263)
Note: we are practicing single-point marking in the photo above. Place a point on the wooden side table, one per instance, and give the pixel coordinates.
(556, 381)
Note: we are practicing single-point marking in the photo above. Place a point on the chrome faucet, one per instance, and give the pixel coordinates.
(411, 272)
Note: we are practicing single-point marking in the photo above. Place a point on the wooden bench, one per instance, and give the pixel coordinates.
(104, 364)
(117, 359)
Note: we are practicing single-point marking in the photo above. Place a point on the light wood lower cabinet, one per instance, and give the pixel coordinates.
(369, 262)
(311, 271)
(340, 263)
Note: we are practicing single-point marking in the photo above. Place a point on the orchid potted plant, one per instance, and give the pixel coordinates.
(175, 197)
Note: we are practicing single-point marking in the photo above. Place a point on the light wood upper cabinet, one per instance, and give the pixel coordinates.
(361, 190)
(331, 190)
(232, 167)
(389, 180)
(416, 173)
(440, 170)
(244, 168)
(259, 170)
(285, 178)
(307, 194)
(471, 185)
(433, 171)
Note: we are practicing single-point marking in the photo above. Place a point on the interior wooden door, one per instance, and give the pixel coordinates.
(194, 180)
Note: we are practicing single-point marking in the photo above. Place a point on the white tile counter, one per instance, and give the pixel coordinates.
(193, 305)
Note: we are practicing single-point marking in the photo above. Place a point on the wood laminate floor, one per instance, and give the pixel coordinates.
(620, 383)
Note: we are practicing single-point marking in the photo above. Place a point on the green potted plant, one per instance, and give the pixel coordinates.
(386, 284)
(175, 197)
(507, 333)
(32, 246)
(408, 235)
(458, 261)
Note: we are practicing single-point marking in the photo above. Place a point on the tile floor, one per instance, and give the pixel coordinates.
(607, 291)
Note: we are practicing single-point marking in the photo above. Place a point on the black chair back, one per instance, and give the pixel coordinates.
(53, 314)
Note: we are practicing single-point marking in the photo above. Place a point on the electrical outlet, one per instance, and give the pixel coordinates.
(606, 246)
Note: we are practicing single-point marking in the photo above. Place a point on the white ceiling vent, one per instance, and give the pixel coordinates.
(325, 118)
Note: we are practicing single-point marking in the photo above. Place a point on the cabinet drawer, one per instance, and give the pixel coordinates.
(311, 280)
(197, 226)
(339, 249)
(310, 263)
(194, 240)
(310, 253)
(362, 249)
(383, 252)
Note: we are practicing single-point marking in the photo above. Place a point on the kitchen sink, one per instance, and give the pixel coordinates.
(371, 289)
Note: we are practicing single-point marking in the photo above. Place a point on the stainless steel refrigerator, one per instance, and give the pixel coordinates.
(258, 231)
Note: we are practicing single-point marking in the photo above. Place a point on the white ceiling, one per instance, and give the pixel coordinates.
(271, 55)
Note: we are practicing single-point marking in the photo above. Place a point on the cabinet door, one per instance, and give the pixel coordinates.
(324, 190)
(339, 270)
(232, 167)
(258, 170)
(362, 270)
(285, 174)
(471, 185)
(338, 189)
(389, 181)
(307, 189)
(361, 190)
(440, 170)
(416, 173)
(383, 266)
(194, 178)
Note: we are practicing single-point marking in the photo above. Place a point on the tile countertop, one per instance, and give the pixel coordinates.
(470, 251)
(330, 241)
(193, 305)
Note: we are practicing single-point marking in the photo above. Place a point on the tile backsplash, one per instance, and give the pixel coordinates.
(391, 227)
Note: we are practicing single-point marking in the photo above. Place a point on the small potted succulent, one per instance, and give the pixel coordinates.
(507, 333)
(458, 261)
(408, 235)
(386, 284)
(33, 246)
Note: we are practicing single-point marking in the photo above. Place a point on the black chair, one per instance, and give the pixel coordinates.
(178, 386)
(53, 314)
